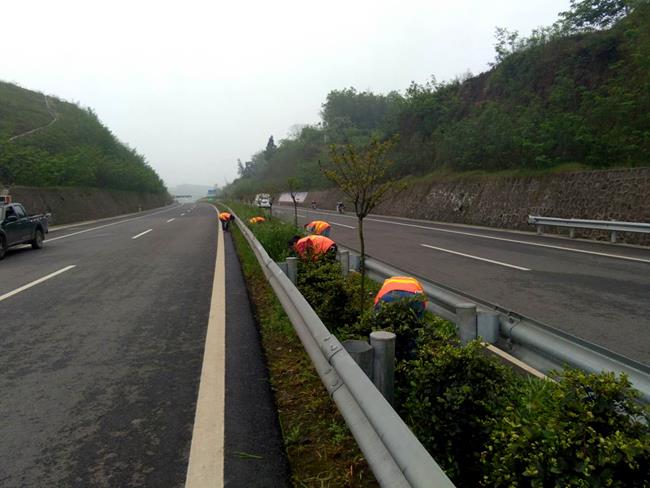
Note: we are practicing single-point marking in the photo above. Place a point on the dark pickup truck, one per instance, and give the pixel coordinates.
(16, 227)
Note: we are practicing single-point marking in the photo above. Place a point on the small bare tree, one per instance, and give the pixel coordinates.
(294, 183)
(362, 175)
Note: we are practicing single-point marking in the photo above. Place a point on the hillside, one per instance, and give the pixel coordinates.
(45, 141)
(573, 94)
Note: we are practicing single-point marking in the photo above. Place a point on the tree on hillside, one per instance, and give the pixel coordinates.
(270, 150)
(362, 175)
(585, 15)
(293, 185)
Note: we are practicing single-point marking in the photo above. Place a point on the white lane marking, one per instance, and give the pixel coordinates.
(517, 241)
(36, 282)
(107, 225)
(205, 466)
(476, 257)
(182, 214)
(171, 220)
(141, 234)
(343, 225)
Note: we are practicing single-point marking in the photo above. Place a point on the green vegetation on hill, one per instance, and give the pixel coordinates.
(70, 147)
(574, 94)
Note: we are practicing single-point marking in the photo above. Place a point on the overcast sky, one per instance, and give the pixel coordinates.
(194, 85)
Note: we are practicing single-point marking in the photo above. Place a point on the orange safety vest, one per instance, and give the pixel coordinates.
(405, 284)
(319, 227)
(224, 216)
(313, 245)
(255, 220)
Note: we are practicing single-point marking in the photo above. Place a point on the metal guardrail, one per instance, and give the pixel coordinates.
(394, 454)
(541, 346)
(612, 226)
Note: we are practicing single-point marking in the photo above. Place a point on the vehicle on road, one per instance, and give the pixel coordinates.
(263, 200)
(16, 227)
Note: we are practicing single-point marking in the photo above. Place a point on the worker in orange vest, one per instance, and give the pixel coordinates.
(225, 219)
(256, 220)
(318, 227)
(400, 287)
(313, 247)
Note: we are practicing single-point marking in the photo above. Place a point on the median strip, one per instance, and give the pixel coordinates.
(36, 282)
(500, 263)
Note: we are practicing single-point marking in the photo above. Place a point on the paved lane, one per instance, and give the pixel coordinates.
(596, 291)
(99, 365)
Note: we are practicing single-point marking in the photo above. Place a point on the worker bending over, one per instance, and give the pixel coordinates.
(400, 287)
(256, 220)
(313, 247)
(318, 227)
(225, 219)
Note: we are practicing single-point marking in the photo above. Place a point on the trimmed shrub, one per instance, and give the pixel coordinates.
(451, 397)
(585, 431)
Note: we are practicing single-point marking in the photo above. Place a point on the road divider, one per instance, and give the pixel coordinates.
(36, 282)
(492, 261)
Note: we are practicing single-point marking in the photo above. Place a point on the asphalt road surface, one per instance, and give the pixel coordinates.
(596, 291)
(101, 348)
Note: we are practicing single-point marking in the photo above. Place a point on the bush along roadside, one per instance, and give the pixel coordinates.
(484, 424)
(319, 446)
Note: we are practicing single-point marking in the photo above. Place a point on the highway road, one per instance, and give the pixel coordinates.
(596, 291)
(102, 338)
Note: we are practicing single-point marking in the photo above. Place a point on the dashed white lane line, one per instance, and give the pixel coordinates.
(141, 234)
(182, 214)
(107, 225)
(343, 225)
(205, 466)
(36, 282)
(171, 220)
(500, 263)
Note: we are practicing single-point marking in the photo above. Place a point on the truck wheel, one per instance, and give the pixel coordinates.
(37, 243)
(3, 247)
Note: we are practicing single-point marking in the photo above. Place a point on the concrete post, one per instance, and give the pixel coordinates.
(540, 230)
(487, 325)
(345, 262)
(383, 363)
(292, 270)
(283, 266)
(572, 233)
(355, 262)
(466, 321)
(362, 353)
(612, 237)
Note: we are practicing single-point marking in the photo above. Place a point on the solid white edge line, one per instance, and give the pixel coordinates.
(141, 234)
(500, 263)
(106, 225)
(36, 282)
(171, 220)
(205, 466)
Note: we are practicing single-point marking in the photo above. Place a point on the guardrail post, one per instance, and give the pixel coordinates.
(292, 270)
(612, 237)
(345, 262)
(572, 233)
(362, 353)
(540, 230)
(487, 326)
(383, 362)
(355, 262)
(283, 266)
(466, 321)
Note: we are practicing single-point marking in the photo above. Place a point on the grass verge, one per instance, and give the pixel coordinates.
(319, 446)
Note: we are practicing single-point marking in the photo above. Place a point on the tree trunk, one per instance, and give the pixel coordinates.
(295, 213)
(362, 266)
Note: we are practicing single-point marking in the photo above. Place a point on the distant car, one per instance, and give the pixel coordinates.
(263, 200)
(16, 227)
